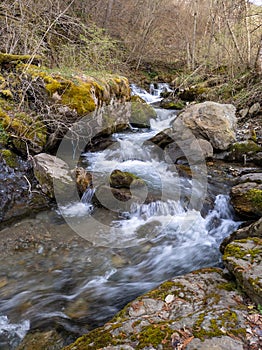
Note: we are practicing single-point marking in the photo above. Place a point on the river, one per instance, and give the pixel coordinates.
(77, 265)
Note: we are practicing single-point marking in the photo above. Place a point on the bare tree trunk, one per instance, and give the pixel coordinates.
(110, 5)
(194, 37)
(232, 34)
(258, 63)
(247, 24)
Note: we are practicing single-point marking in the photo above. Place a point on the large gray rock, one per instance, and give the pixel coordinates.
(212, 121)
(47, 169)
(243, 259)
(201, 308)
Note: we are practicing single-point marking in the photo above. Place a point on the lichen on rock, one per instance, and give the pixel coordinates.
(201, 308)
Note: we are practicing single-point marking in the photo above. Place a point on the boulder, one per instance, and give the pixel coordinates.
(243, 259)
(83, 179)
(254, 109)
(199, 310)
(244, 151)
(124, 179)
(162, 139)
(176, 153)
(141, 114)
(212, 121)
(246, 196)
(172, 103)
(19, 196)
(47, 169)
(115, 199)
(253, 230)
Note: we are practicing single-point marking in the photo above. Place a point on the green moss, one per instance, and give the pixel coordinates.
(168, 287)
(154, 335)
(236, 251)
(245, 147)
(177, 105)
(79, 98)
(4, 137)
(23, 128)
(9, 157)
(96, 339)
(16, 59)
(124, 179)
(255, 196)
(224, 324)
(6, 93)
(228, 286)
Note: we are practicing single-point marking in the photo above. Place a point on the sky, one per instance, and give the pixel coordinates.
(257, 2)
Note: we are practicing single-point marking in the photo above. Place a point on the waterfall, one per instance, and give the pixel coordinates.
(87, 196)
(154, 94)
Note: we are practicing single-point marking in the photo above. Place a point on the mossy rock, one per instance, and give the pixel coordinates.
(193, 94)
(11, 60)
(80, 97)
(10, 158)
(195, 306)
(136, 98)
(124, 179)
(172, 103)
(25, 131)
(141, 114)
(243, 258)
(246, 199)
(245, 149)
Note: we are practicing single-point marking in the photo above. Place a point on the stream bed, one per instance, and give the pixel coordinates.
(74, 267)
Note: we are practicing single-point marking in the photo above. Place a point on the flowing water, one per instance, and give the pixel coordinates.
(78, 281)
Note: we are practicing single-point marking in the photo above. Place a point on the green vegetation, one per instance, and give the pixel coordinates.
(225, 324)
(255, 196)
(237, 251)
(10, 157)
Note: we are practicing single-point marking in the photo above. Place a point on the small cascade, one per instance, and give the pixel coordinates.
(158, 88)
(81, 208)
(220, 221)
(87, 196)
(154, 94)
(158, 208)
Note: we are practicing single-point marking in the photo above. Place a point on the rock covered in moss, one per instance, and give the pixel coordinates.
(141, 114)
(194, 309)
(125, 179)
(244, 151)
(246, 196)
(253, 230)
(212, 121)
(24, 132)
(172, 103)
(10, 158)
(243, 258)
